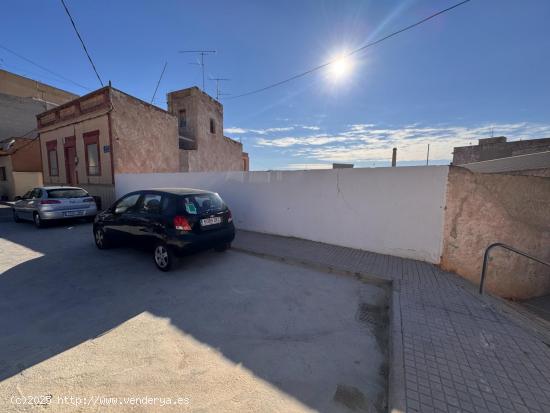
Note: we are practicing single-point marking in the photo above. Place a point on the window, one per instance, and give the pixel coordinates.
(3, 173)
(36, 193)
(183, 119)
(91, 147)
(126, 203)
(212, 126)
(51, 148)
(150, 204)
(67, 193)
(202, 203)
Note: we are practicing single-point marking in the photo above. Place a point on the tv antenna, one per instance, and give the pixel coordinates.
(201, 53)
(218, 80)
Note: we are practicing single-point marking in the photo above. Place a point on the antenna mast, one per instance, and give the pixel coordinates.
(201, 53)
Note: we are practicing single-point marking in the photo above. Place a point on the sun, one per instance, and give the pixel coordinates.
(341, 67)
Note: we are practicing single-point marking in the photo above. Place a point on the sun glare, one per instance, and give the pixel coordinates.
(341, 68)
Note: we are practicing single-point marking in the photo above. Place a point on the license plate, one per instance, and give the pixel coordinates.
(210, 221)
(73, 213)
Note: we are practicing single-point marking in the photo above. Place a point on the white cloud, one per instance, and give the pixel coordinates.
(302, 166)
(367, 142)
(236, 130)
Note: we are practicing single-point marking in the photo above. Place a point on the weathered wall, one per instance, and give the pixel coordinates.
(397, 211)
(26, 156)
(25, 181)
(6, 187)
(98, 121)
(15, 85)
(145, 138)
(486, 208)
(214, 152)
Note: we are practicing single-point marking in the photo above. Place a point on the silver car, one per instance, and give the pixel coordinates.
(54, 202)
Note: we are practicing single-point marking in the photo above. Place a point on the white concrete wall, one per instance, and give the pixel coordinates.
(397, 211)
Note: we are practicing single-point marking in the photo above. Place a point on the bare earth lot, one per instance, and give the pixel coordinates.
(223, 332)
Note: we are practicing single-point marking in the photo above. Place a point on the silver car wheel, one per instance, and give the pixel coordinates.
(37, 221)
(99, 238)
(161, 256)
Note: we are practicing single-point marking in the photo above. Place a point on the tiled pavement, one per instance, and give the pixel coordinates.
(452, 351)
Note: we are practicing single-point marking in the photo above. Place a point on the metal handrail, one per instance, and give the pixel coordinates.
(506, 247)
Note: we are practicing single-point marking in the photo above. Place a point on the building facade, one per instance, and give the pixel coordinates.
(496, 148)
(87, 140)
(20, 167)
(200, 129)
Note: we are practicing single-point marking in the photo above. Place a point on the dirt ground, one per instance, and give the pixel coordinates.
(88, 330)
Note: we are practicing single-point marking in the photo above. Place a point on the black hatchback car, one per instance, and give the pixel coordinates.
(171, 222)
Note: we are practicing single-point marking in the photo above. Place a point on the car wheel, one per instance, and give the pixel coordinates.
(16, 217)
(163, 256)
(38, 223)
(223, 247)
(90, 219)
(101, 240)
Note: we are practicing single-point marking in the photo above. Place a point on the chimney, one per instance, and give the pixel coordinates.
(394, 158)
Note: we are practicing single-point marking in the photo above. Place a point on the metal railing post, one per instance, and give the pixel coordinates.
(506, 247)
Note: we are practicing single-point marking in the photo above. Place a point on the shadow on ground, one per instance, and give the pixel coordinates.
(320, 338)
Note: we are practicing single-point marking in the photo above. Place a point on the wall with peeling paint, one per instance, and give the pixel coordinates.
(486, 208)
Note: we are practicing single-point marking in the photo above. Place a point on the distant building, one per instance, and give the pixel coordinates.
(200, 129)
(497, 155)
(342, 165)
(20, 167)
(21, 99)
(89, 140)
(496, 148)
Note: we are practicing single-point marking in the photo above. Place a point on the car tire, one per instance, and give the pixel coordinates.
(90, 219)
(223, 247)
(16, 217)
(101, 240)
(38, 223)
(163, 256)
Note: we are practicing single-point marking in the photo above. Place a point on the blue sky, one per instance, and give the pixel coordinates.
(482, 67)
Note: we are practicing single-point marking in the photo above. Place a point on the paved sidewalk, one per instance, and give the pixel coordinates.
(456, 352)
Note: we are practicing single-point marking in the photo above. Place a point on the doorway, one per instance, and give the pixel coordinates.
(70, 161)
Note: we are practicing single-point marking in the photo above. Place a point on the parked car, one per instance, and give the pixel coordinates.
(172, 222)
(50, 203)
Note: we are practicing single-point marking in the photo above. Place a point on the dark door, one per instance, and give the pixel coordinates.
(148, 225)
(118, 222)
(70, 164)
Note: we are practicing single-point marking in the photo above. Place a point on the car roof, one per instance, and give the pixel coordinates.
(180, 191)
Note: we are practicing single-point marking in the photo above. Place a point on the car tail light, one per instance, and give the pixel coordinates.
(229, 216)
(88, 199)
(49, 201)
(181, 223)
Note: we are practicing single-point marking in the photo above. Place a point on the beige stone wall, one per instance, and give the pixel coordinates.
(77, 127)
(15, 85)
(7, 186)
(26, 181)
(145, 138)
(214, 152)
(486, 208)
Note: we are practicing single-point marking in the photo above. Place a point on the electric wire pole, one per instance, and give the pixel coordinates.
(202, 53)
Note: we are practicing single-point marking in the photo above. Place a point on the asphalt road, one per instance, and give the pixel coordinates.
(223, 332)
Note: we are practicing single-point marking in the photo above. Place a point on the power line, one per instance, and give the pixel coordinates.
(81, 41)
(43, 68)
(314, 69)
(158, 83)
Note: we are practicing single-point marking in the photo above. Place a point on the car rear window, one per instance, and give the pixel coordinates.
(202, 203)
(66, 193)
